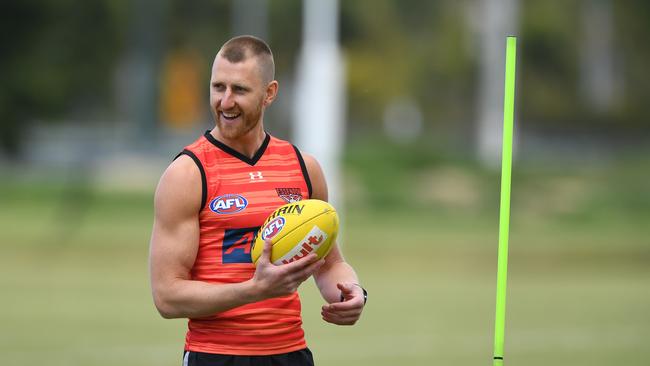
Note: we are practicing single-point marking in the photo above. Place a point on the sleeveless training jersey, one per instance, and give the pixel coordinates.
(238, 194)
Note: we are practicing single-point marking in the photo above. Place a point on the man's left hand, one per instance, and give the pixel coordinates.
(348, 311)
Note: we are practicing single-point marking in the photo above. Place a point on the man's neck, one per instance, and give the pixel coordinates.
(247, 145)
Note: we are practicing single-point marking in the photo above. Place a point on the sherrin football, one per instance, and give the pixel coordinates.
(296, 230)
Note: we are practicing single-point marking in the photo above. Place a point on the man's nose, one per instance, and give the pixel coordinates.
(227, 100)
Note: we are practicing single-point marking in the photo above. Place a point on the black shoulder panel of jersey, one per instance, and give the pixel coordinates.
(204, 180)
(303, 167)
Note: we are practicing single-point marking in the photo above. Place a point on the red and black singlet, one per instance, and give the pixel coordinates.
(238, 194)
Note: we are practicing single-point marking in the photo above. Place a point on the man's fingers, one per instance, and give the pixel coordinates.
(343, 313)
(338, 319)
(312, 268)
(301, 263)
(344, 306)
(303, 274)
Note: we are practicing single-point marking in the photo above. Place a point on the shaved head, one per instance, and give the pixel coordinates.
(241, 48)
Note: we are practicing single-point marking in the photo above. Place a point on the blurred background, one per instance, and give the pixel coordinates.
(402, 103)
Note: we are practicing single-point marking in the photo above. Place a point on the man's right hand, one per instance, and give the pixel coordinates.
(281, 280)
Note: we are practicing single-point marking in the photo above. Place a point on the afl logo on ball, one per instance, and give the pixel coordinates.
(273, 228)
(228, 204)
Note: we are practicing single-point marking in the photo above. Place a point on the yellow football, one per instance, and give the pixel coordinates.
(296, 230)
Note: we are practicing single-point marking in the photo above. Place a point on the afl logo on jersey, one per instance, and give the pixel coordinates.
(273, 228)
(228, 204)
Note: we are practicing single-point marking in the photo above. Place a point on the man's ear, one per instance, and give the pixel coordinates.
(271, 92)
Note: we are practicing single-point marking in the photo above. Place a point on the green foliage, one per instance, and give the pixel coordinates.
(56, 55)
(634, 57)
(59, 59)
(549, 76)
(407, 48)
(426, 50)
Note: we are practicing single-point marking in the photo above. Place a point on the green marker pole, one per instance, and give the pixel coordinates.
(504, 213)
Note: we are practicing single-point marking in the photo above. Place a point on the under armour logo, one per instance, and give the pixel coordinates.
(256, 175)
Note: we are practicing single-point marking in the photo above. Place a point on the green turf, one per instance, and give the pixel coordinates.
(74, 281)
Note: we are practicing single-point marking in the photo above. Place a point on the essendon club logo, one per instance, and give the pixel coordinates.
(289, 195)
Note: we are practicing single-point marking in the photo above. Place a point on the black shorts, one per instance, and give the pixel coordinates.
(302, 357)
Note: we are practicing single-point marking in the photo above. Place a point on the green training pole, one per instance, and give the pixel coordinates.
(504, 213)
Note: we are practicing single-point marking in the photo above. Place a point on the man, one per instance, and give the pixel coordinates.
(209, 204)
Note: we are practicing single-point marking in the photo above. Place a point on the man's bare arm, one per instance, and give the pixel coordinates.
(174, 246)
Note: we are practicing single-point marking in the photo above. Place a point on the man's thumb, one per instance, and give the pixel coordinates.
(345, 288)
(266, 251)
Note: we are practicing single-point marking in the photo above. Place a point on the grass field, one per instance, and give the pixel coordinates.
(74, 281)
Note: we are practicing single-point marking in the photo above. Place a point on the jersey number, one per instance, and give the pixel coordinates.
(237, 245)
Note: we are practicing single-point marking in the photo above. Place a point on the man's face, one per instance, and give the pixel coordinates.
(237, 96)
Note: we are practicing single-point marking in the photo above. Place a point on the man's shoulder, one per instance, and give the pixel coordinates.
(181, 170)
(199, 145)
(179, 188)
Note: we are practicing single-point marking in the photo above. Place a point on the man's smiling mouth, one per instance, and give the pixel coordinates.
(230, 116)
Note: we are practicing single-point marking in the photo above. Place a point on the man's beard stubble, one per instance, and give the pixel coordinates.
(248, 123)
